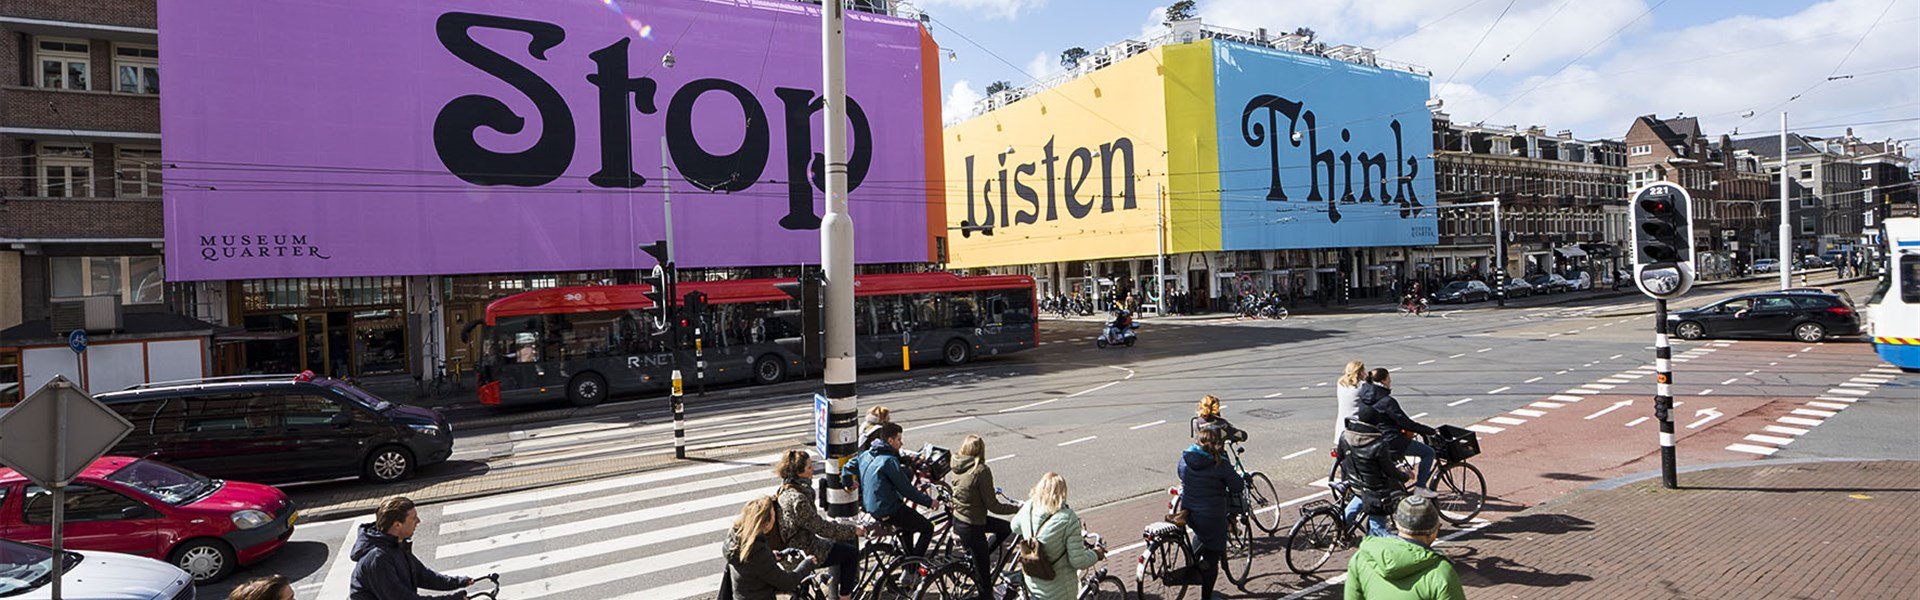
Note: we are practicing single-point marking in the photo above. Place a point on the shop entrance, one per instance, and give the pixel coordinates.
(338, 343)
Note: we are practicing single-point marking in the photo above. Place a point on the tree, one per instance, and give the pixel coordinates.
(997, 87)
(1180, 11)
(1071, 57)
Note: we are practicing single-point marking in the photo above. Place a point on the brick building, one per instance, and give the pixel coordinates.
(1733, 222)
(1887, 172)
(1825, 183)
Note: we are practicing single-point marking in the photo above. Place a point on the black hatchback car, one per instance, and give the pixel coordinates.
(279, 428)
(1463, 292)
(1806, 315)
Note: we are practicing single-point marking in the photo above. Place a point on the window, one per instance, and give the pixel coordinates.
(138, 171)
(1866, 174)
(1642, 150)
(135, 279)
(1910, 279)
(1806, 171)
(307, 409)
(84, 503)
(63, 63)
(65, 171)
(229, 412)
(1806, 225)
(137, 69)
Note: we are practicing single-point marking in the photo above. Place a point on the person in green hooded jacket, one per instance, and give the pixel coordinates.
(1404, 567)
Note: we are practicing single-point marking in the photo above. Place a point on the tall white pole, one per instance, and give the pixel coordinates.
(1160, 256)
(836, 256)
(1786, 227)
(1499, 256)
(670, 275)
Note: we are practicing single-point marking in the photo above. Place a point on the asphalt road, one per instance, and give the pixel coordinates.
(1112, 421)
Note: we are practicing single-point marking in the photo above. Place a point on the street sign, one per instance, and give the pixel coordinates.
(56, 432)
(77, 341)
(820, 415)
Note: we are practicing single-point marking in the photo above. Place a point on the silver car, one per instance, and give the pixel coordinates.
(26, 572)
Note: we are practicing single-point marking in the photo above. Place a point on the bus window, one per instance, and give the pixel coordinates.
(1910, 279)
(928, 312)
(965, 312)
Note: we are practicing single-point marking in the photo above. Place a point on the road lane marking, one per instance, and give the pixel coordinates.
(1146, 425)
(1000, 458)
(1799, 421)
(1546, 405)
(1561, 372)
(1827, 405)
(1459, 402)
(1506, 420)
(1458, 355)
(492, 503)
(1419, 415)
(1615, 357)
(1864, 385)
(1297, 454)
(933, 425)
(1564, 398)
(1629, 375)
(1429, 361)
(1533, 380)
(1807, 349)
(1072, 442)
(1752, 449)
(1750, 373)
(1769, 439)
(1637, 421)
(1528, 413)
(1484, 350)
(1837, 399)
(1849, 392)
(1785, 430)
(1583, 391)
(1730, 381)
(1598, 386)
(339, 579)
(1274, 395)
(1321, 384)
(1500, 389)
(1484, 429)
(1553, 335)
(1031, 405)
(1773, 364)
(1824, 414)
(1614, 380)
(1610, 408)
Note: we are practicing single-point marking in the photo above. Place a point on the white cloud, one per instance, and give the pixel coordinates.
(960, 100)
(988, 9)
(1041, 65)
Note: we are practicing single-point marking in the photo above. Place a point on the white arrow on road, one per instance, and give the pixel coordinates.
(1616, 406)
(1710, 415)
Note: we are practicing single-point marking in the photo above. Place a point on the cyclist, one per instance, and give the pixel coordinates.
(827, 541)
(384, 567)
(1377, 407)
(1048, 520)
(874, 417)
(974, 497)
(1210, 491)
(753, 563)
(1207, 416)
(1346, 393)
(1367, 463)
(885, 488)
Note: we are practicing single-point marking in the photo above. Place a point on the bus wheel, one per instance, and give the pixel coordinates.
(769, 369)
(957, 353)
(587, 389)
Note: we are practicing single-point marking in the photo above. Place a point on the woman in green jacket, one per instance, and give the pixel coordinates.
(1047, 519)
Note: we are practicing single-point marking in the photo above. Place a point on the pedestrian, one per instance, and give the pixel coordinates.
(1047, 519)
(885, 488)
(1346, 395)
(1377, 407)
(754, 571)
(1404, 567)
(1207, 416)
(1368, 466)
(271, 587)
(827, 541)
(384, 567)
(974, 497)
(875, 417)
(1211, 492)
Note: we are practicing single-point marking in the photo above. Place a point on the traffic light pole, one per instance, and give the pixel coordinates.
(670, 277)
(836, 256)
(1500, 255)
(1663, 394)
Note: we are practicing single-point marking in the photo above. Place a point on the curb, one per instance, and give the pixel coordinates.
(1624, 480)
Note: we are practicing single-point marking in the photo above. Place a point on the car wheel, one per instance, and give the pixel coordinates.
(957, 353)
(587, 389)
(769, 369)
(388, 464)
(205, 560)
(1809, 332)
(1689, 330)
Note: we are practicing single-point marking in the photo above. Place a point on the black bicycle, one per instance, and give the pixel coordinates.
(1166, 567)
(1323, 529)
(493, 594)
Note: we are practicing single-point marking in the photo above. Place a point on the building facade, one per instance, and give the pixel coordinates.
(1830, 207)
(1734, 222)
(1886, 171)
(1561, 201)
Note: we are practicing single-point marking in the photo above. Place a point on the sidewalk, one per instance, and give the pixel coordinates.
(1772, 529)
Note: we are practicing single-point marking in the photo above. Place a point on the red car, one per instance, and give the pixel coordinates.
(207, 527)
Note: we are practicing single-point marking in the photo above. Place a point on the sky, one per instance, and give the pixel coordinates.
(1590, 66)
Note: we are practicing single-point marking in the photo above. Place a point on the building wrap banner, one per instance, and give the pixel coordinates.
(1321, 153)
(360, 137)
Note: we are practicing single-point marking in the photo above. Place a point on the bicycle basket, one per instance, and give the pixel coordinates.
(934, 461)
(1455, 444)
(1315, 505)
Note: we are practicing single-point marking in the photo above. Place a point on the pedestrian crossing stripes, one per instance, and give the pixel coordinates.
(1788, 428)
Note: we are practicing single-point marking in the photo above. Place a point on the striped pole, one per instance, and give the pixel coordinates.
(836, 260)
(1663, 393)
(679, 419)
(699, 359)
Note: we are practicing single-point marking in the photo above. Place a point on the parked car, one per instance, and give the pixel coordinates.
(1806, 315)
(1813, 262)
(1580, 281)
(26, 573)
(1548, 283)
(206, 527)
(1463, 292)
(1519, 288)
(1766, 265)
(279, 428)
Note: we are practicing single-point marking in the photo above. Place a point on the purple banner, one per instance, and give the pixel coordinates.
(368, 137)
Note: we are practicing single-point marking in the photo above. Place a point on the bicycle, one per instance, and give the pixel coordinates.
(1259, 493)
(1168, 558)
(1323, 528)
(442, 383)
(1413, 306)
(954, 579)
(884, 571)
(493, 594)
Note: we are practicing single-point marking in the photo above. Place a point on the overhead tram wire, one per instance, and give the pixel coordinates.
(1576, 59)
(1477, 43)
(1523, 43)
(1830, 77)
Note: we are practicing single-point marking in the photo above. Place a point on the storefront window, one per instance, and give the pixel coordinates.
(9, 377)
(379, 342)
(135, 279)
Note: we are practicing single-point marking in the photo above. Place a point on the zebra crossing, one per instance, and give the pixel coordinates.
(617, 439)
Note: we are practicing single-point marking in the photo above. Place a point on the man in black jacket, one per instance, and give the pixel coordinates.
(1377, 407)
(384, 566)
(1369, 465)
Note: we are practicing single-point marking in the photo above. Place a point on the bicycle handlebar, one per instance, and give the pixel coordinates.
(493, 594)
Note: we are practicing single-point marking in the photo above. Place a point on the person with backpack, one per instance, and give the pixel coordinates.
(885, 488)
(1210, 491)
(1377, 407)
(1404, 567)
(1368, 464)
(827, 541)
(1051, 549)
(753, 551)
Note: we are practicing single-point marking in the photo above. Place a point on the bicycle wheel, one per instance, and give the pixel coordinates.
(1265, 500)
(875, 557)
(1161, 557)
(951, 582)
(900, 578)
(1239, 557)
(1463, 492)
(1105, 587)
(1312, 540)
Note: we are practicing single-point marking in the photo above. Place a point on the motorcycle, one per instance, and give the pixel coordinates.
(1114, 334)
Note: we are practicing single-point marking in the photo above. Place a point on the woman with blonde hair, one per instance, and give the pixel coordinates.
(1047, 519)
(827, 541)
(875, 417)
(1346, 394)
(973, 499)
(753, 564)
(271, 587)
(1207, 416)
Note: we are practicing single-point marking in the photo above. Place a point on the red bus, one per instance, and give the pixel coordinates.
(584, 344)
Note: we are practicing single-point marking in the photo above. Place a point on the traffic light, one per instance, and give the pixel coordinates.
(811, 314)
(693, 309)
(660, 283)
(1662, 240)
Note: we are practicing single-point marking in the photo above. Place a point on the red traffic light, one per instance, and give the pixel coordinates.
(1656, 205)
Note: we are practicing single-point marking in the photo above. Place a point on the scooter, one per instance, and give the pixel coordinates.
(1114, 334)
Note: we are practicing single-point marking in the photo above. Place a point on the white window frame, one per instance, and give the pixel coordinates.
(147, 68)
(1641, 150)
(127, 285)
(139, 173)
(67, 59)
(1866, 174)
(49, 165)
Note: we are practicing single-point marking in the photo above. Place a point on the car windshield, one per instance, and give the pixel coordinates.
(23, 567)
(164, 482)
(361, 396)
(1455, 286)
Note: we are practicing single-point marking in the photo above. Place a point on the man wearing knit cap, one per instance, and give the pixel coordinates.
(1404, 567)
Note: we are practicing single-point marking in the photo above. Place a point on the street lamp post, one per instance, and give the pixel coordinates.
(1786, 231)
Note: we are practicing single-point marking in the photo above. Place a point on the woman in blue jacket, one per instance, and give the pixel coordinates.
(1209, 490)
